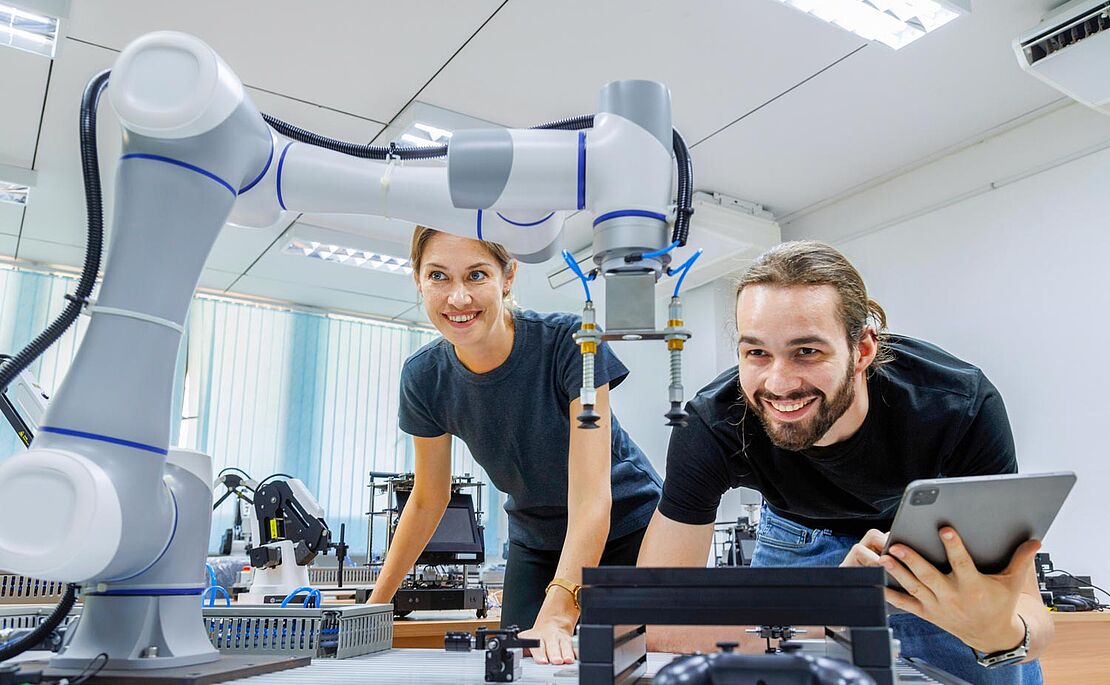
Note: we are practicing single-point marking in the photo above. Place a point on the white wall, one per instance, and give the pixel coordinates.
(1000, 253)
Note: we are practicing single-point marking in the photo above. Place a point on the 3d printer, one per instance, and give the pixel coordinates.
(439, 580)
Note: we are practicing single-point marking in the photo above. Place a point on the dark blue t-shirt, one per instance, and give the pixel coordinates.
(516, 422)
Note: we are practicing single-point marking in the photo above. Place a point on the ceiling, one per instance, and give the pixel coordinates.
(780, 109)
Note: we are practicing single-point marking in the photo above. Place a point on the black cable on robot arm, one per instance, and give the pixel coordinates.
(684, 202)
(44, 629)
(271, 477)
(354, 149)
(233, 468)
(94, 245)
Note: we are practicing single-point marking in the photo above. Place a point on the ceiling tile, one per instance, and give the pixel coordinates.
(7, 245)
(10, 218)
(51, 253)
(536, 61)
(877, 111)
(217, 280)
(319, 296)
(25, 78)
(364, 58)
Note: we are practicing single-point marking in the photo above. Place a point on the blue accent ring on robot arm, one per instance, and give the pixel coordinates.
(153, 592)
(281, 165)
(173, 534)
(103, 438)
(183, 165)
(629, 212)
(269, 161)
(522, 225)
(581, 170)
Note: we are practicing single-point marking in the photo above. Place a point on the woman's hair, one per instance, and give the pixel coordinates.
(808, 262)
(423, 234)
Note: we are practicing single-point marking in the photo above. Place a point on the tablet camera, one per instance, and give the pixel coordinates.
(924, 497)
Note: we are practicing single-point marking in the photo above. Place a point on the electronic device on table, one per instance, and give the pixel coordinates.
(504, 649)
(1065, 592)
(992, 514)
(440, 579)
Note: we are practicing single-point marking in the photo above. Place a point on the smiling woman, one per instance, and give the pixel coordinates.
(505, 381)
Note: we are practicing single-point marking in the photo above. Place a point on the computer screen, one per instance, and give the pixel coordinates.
(457, 539)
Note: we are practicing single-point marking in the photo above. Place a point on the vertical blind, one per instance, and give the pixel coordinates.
(268, 390)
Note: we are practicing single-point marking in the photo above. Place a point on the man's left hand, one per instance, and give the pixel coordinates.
(977, 608)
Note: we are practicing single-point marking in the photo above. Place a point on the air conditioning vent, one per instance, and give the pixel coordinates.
(1069, 50)
(1094, 21)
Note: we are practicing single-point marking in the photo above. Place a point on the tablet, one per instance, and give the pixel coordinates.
(992, 514)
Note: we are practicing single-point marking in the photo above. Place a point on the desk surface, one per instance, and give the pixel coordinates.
(1080, 653)
(425, 629)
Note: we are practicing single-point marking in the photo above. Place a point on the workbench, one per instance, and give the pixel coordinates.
(1080, 653)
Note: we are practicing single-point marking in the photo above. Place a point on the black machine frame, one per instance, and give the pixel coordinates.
(614, 598)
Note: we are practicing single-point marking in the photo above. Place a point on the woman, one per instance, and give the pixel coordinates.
(506, 382)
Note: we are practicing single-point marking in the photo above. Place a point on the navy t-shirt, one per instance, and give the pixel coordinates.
(929, 415)
(516, 422)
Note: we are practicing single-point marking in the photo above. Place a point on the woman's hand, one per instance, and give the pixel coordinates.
(556, 645)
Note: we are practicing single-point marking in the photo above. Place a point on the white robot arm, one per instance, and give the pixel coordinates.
(122, 512)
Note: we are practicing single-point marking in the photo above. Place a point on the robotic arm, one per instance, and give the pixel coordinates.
(128, 516)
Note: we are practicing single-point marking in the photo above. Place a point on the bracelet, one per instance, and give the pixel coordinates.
(572, 588)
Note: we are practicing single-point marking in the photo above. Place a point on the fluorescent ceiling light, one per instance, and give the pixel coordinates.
(14, 193)
(350, 256)
(28, 31)
(895, 23)
(421, 134)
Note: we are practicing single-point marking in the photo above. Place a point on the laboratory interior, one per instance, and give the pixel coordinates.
(723, 342)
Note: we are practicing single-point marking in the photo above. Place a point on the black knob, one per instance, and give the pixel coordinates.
(588, 418)
(727, 647)
(676, 417)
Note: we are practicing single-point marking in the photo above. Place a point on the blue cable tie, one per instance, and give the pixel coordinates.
(685, 269)
(569, 259)
(659, 253)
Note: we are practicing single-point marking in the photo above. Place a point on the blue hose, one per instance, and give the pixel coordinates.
(684, 268)
(212, 599)
(660, 253)
(313, 594)
(569, 259)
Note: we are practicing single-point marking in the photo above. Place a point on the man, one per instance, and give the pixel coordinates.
(830, 418)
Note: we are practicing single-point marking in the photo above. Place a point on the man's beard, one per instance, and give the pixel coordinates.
(800, 435)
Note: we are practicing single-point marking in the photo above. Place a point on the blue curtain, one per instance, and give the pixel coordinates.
(269, 390)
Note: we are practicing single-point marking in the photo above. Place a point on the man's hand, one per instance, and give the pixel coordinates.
(556, 646)
(981, 610)
(866, 552)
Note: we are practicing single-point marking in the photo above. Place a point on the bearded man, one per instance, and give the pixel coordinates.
(830, 417)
